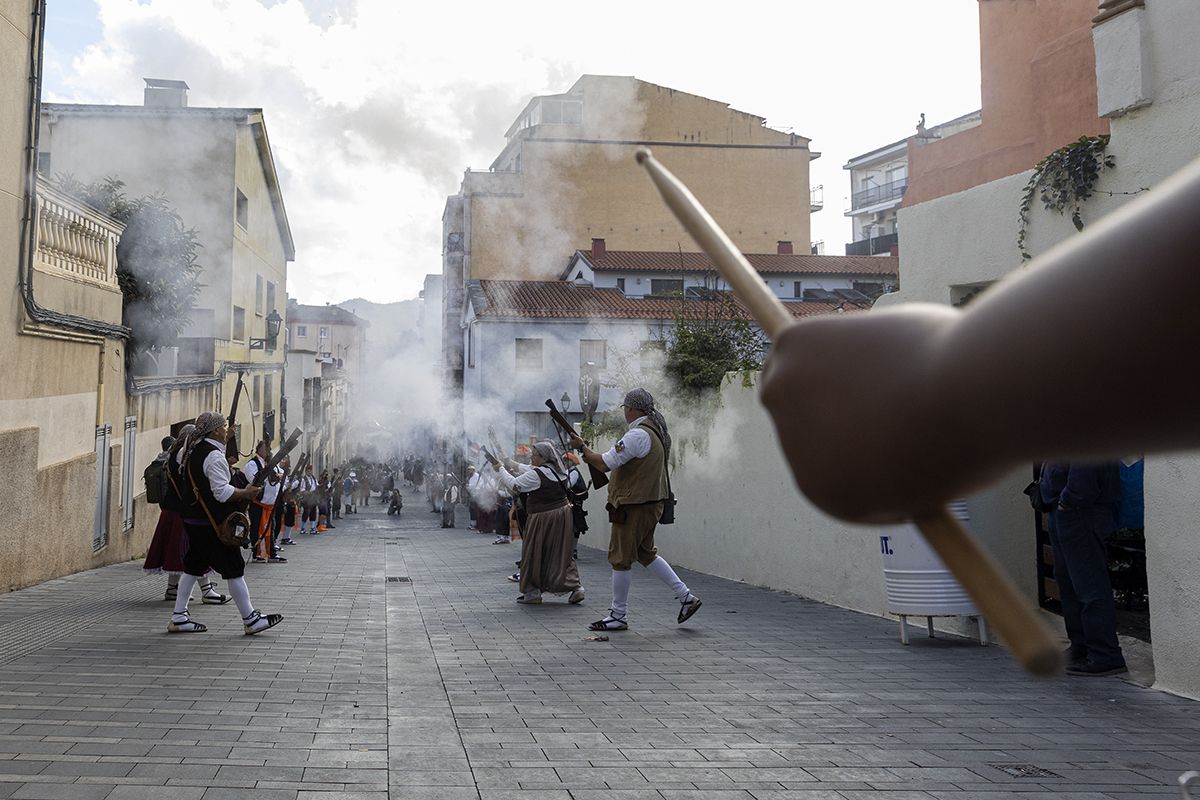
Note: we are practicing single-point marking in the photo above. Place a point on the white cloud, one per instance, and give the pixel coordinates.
(375, 107)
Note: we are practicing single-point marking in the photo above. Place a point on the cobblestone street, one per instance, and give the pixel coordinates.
(404, 669)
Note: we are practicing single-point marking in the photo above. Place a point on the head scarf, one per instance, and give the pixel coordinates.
(180, 441)
(641, 400)
(550, 456)
(205, 424)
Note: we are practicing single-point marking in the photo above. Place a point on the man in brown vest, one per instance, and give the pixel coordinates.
(636, 495)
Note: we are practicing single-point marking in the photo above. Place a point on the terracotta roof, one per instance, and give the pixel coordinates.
(566, 300)
(652, 261)
(334, 315)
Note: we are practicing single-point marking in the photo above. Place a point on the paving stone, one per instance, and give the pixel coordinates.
(444, 689)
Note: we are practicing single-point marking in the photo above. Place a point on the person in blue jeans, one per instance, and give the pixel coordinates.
(1082, 501)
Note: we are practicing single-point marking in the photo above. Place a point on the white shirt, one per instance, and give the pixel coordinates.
(270, 491)
(526, 479)
(634, 444)
(216, 469)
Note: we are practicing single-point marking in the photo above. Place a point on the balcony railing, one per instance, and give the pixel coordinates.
(875, 246)
(874, 195)
(74, 240)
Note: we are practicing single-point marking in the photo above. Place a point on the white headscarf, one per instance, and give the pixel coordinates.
(550, 456)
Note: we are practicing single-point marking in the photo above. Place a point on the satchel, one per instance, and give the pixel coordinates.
(668, 512)
(615, 514)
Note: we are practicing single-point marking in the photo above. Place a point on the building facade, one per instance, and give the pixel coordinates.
(567, 175)
(878, 180)
(215, 167)
(73, 442)
(326, 347)
(607, 321)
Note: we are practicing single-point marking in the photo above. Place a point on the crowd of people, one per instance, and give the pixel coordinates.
(211, 509)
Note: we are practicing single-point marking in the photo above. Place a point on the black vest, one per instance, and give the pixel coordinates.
(195, 468)
(548, 496)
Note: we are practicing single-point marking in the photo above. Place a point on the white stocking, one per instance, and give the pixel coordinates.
(241, 596)
(660, 569)
(186, 584)
(622, 579)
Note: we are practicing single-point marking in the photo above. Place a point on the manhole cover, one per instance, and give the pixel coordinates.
(398, 579)
(1025, 771)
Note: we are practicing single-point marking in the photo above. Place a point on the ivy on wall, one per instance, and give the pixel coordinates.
(1063, 180)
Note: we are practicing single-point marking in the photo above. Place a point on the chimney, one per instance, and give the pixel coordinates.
(165, 94)
(597, 248)
(783, 248)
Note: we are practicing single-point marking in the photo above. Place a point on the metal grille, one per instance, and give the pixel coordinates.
(100, 521)
(128, 466)
(398, 579)
(1025, 771)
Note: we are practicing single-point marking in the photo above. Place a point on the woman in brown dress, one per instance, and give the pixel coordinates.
(547, 557)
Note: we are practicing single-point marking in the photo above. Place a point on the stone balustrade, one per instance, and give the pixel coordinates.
(73, 240)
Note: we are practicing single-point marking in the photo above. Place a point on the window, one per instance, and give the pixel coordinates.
(529, 353)
(666, 286)
(870, 289)
(268, 385)
(239, 324)
(797, 291)
(470, 346)
(243, 210)
(653, 353)
(323, 333)
(558, 112)
(301, 331)
(536, 426)
(257, 393)
(129, 476)
(43, 165)
(594, 351)
(258, 295)
(621, 285)
(270, 298)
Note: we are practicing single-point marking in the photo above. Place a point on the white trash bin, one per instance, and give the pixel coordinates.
(917, 582)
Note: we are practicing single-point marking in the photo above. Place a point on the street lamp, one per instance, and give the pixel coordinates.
(274, 321)
(566, 401)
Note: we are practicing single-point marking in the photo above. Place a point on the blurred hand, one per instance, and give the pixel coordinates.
(576, 442)
(866, 419)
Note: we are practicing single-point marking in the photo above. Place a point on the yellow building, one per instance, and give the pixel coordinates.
(567, 175)
(215, 167)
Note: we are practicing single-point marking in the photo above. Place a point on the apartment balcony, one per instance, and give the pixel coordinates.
(816, 198)
(75, 241)
(875, 246)
(874, 195)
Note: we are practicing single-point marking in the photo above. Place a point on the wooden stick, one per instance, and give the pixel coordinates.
(989, 587)
(764, 306)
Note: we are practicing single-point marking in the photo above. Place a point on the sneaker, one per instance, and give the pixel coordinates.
(257, 623)
(687, 608)
(276, 560)
(288, 541)
(258, 560)
(576, 597)
(1091, 670)
(500, 540)
(514, 578)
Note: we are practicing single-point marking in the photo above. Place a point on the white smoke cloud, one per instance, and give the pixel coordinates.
(375, 107)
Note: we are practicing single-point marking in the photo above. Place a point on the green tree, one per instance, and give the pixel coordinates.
(157, 267)
(712, 336)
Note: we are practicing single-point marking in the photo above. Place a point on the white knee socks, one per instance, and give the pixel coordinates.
(660, 569)
(622, 579)
(186, 584)
(241, 596)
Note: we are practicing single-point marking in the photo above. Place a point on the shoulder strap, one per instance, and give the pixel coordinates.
(650, 426)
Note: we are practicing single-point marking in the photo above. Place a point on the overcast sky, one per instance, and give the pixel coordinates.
(375, 107)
